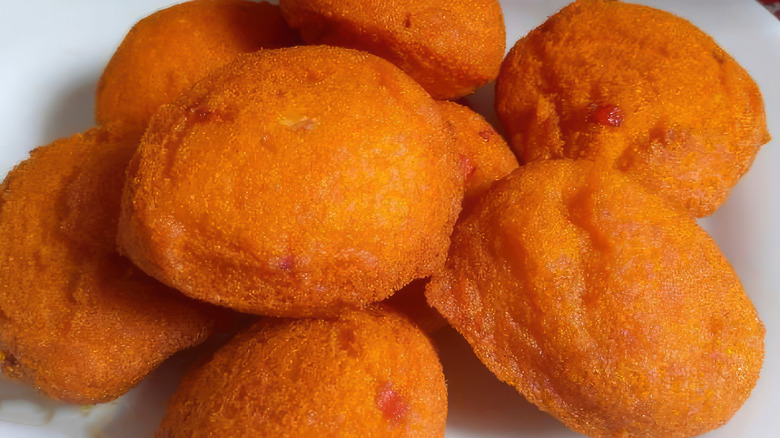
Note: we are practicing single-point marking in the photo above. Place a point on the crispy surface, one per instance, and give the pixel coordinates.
(484, 154)
(450, 47)
(164, 54)
(484, 158)
(365, 373)
(77, 321)
(294, 182)
(661, 99)
(91, 199)
(604, 307)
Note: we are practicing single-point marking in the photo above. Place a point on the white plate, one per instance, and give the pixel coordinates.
(52, 53)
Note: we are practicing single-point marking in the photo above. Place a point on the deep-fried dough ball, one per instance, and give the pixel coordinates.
(164, 54)
(602, 305)
(77, 321)
(638, 85)
(364, 374)
(294, 182)
(450, 47)
(484, 154)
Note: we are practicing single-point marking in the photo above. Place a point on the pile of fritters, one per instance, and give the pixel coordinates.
(329, 190)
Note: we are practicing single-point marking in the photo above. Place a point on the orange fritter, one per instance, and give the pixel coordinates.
(293, 183)
(450, 47)
(164, 54)
(641, 86)
(77, 321)
(602, 305)
(485, 156)
(364, 374)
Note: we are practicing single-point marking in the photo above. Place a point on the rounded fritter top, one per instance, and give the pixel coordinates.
(450, 47)
(165, 53)
(640, 86)
(294, 182)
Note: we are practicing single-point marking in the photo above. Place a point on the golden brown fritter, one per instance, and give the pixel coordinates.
(77, 321)
(164, 54)
(641, 86)
(600, 304)
(450, 47)
(484, 154)
(365, 373)
(293, 183)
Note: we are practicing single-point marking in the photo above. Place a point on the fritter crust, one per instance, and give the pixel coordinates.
(600, 304)
(293, 183)
(638, 85)
(450, 47)
(484, 154)
(365, 373)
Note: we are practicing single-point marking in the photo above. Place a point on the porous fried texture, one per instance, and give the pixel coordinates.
(77, 321)
(484, 154)
(366, 373)
(450, 47)
(294, 183)
(92, 197)
(164, 54)
(600, 304)
(638, 85)
(484, 158)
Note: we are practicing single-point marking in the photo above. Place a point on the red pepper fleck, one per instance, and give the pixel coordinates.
(487, 134)
(607, 115)
(286, 263)
(467, 168)
(393, 407)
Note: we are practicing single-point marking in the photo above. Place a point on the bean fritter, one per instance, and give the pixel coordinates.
(294, 182)
(77, 321)
(164, 54)
(365, 373)
(450, 47)
(640, 86)
(601, 304)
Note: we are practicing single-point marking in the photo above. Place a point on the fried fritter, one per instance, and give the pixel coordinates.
(293, 183)
(77, 321)
(164, 54)
(602, 305)
(641, 86)
(450, 47)
(484, 154)
(365, 373)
